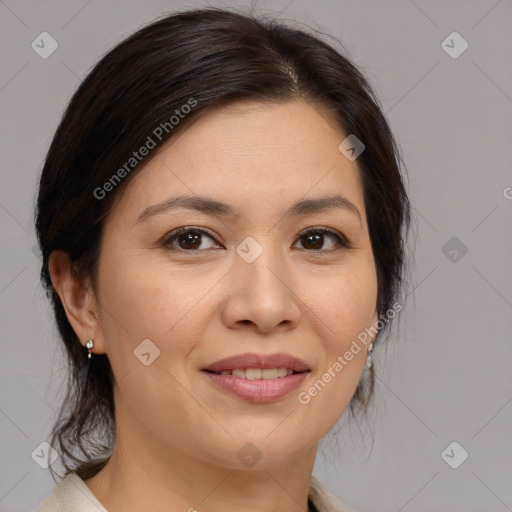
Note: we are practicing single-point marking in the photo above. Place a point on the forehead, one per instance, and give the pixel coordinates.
(252, 155)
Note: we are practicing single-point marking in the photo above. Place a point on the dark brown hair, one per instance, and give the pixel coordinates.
(212, 57)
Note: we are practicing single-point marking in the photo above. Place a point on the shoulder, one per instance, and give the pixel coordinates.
(323, 500)
(71, 494)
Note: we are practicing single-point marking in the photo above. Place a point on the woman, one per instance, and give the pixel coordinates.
(222, 220)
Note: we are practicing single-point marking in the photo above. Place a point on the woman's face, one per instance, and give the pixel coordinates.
(251, 282)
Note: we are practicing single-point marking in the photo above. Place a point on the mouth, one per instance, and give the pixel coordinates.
(257, 373)
(259, 362)
(258, 377)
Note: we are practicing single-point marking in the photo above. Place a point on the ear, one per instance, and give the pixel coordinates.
(77, 299)
(374, 324)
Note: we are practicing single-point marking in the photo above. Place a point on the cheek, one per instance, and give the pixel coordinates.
(152, 301)
(344, 306)
(345, 302)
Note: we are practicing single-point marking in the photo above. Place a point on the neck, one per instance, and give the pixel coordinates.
(143, 475)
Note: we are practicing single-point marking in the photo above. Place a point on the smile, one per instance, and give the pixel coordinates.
(257, 373)
(257, 377)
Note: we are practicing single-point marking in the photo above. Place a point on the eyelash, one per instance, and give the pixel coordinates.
(341, 240)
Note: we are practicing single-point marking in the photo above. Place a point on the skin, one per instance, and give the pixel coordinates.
(177, 434)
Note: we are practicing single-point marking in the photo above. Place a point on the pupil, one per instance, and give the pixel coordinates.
(190, 239)
(318, 237)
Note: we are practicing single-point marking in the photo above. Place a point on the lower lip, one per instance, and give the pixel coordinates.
(258, 390)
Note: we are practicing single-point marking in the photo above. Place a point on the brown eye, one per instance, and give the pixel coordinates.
(187, 239)
(314, 238)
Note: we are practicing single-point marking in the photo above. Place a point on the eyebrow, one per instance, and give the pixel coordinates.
(211, 206)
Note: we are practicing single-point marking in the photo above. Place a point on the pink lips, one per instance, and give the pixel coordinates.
(259, 361)
(259, 390)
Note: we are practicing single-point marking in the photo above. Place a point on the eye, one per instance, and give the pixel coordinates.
(188, 239)
(314, 238)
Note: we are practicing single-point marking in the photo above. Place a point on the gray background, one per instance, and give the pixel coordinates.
(446, 376)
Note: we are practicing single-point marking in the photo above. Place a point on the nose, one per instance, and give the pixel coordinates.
(260, 294)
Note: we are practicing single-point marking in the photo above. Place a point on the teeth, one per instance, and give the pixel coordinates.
(253, 373)
(258, 373)
(269, 373)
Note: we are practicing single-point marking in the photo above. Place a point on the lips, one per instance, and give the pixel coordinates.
(258, 361)
(251, 376)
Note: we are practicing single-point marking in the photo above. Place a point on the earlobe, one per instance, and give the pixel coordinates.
(371, 343)
(77, 299)
(374, 324)
(375, 318)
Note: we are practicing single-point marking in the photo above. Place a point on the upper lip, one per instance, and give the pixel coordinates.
(252, 360)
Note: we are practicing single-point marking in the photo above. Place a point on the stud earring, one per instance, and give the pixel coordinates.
(369, 356)
(89, 346)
